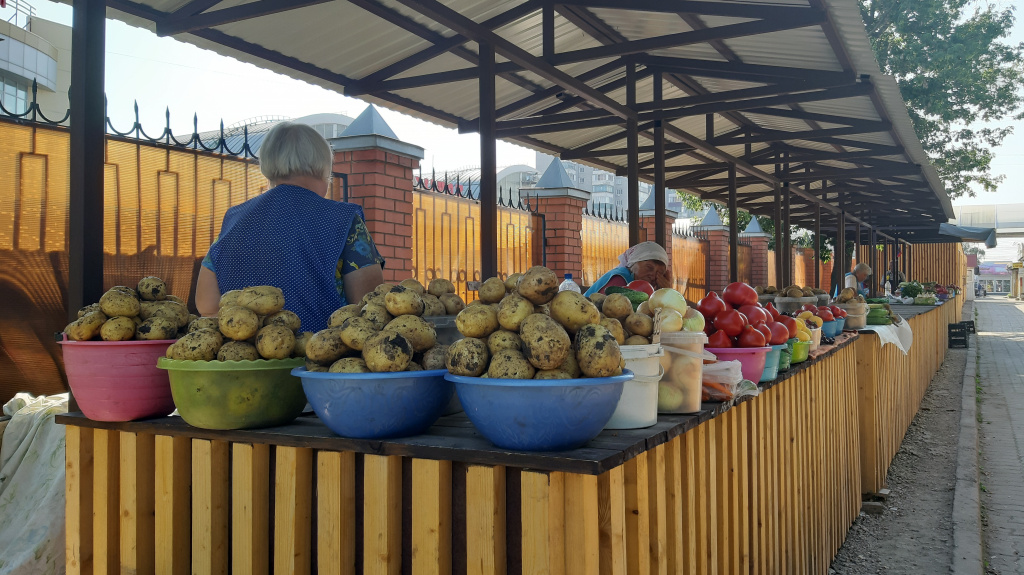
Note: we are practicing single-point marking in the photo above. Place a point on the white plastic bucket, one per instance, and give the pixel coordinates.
(638, 406)
(816, 338)
(643, 360)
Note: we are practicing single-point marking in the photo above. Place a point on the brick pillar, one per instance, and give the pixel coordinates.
(563, 223)
(718, 257)
(758, 258)
(648, 225)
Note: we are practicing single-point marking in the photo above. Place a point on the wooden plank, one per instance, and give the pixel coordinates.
(612, 520)
(657, 505)
(638, 536)
(674, 496)
(138, 503)
(293, 510)
(692, 501)
(173, 505)
(336, 512)
(867, 391)
(723, 502)
(582, 525)
(712, 492)
(431, 517)
(105, 504)
(210, 495)
(78, 487)
(542, 500)
(250, 509)
(485, 520)
(382, 514)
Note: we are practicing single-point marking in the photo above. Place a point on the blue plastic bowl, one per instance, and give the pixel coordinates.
(539, 414)
(842, 322)
(377, 405)
(830, 328)
(771, 364)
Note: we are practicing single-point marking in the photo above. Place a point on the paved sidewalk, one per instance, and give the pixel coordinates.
(1000, 327)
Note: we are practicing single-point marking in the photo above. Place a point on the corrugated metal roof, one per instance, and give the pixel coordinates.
(338, 43)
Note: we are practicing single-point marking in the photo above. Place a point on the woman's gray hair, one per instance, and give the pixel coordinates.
(291, 149)
(862, 268)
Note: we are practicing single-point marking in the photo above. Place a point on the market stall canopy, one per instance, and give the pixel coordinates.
(969, 234)
(786, 91)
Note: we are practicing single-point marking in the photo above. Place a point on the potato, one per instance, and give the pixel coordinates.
(284, 318)
(421, 335)
(229, 298)
(356, 330)
(551, 374)
(512, 282)
(89, 308)
(598, 300)
(617, 306)
(301, 341)
(573, 311)
(542, 309)
(156, 328)
(510, 364)
(439, 287)
(314, 367)
(175, 299)
(545, 343)
(173, 311)
(639, 324)
(504, 339)
(264, 300)
(403, 301)
(597, 352)
(433, 358)
(615, 327)
(637, 340)
(238, 351)
(374, 298)
(477, 321)
(468, 357)
(118, 304)
(118, 329)
(275, 342)
(341, 314)
(126, 291)
(571, 366)
(414, 285)
(432, 306)
(349, 365)
(453, 303)
(137, 320)
(539, 285)
(492, 290)
(326, 347)
(237, 322)
(204, 323)
(199, 345)
(387, 352)
(152, 289)
(513, 310)
(377, 314)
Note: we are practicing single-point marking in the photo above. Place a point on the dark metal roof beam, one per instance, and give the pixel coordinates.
(782, 135)
(507, 132)
(849, 91)
(668, 156)
(554, 91)
(814, 117)
(230, 15)
(816, 156)
(736, 10)
(572, 155)
(740, 71)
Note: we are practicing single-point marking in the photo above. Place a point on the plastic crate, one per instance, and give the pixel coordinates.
(958, 337)
(969, 325)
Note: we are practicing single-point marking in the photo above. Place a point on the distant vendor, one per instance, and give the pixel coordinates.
(645, 261)
(857, 277)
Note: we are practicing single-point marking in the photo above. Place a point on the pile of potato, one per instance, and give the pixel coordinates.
(123, 313)
(251, 324)
(385, 332)
(628, 326)
(524, 328)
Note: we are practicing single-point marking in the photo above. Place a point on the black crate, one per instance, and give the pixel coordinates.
(958, 336)
(969, 325)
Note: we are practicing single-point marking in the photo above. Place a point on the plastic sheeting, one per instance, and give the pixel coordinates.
(987, 235)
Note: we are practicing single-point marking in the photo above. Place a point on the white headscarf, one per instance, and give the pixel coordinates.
(642, 252)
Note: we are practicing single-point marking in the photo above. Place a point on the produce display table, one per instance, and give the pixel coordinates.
(769, 485)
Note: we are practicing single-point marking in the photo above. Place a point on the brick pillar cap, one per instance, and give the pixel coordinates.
(755, 235)
(376, 142)
(542, 193)
(711, 228)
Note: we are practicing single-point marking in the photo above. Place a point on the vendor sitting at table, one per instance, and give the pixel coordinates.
(856, 279)
(645, 261)
(316, 250)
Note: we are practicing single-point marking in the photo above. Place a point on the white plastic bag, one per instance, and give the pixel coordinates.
(729, 372)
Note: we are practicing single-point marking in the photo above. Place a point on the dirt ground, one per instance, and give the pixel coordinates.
(914, 534)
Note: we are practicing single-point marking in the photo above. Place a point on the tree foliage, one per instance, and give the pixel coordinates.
(953, 72)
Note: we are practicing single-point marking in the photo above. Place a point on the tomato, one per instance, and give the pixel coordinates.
(719, 339)
(755, 314)
(790, 324)
(780, 333)
(841, 314)
(750, 337)
(731, 322)
(809, 307)
(771, 309)
(835, 310)
(763, 328)
(711, 306)
(825, 315)
(641, 285)
(739, 294)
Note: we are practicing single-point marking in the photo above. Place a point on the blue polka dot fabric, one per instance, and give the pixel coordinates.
(291, 238)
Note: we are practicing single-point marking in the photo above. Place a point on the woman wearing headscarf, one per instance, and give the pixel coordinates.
(645, 261)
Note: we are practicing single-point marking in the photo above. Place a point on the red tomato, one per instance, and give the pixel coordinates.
(790, 324)
(739, 294)
(825, 315)
(780, 333)
(763, 328)
(809, 307)
(731, 322)
(771, 309)
(842, 313)
(835, 310)
(751, 337)
(719, 339)
(711, 306)
(641, 285)
(755, 314)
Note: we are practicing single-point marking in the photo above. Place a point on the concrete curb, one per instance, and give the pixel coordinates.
(967, 555)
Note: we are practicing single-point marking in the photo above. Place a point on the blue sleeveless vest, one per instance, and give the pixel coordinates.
(603, 280)
(290, 238)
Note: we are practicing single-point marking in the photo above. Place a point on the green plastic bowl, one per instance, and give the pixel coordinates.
(235, 394)
(800, 351)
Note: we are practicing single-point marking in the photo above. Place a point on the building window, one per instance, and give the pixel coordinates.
(15, 94)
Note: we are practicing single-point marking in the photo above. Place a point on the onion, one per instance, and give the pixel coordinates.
(668, 298)
(671, 320)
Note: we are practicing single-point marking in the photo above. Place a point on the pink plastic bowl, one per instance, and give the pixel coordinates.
(118, 380)
(752, 359)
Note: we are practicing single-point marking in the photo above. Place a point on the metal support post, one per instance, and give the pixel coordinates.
(488, 166)
(632, 161)
(734, 228)
(659, 170)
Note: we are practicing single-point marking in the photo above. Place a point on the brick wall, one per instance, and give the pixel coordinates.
(563, 224)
